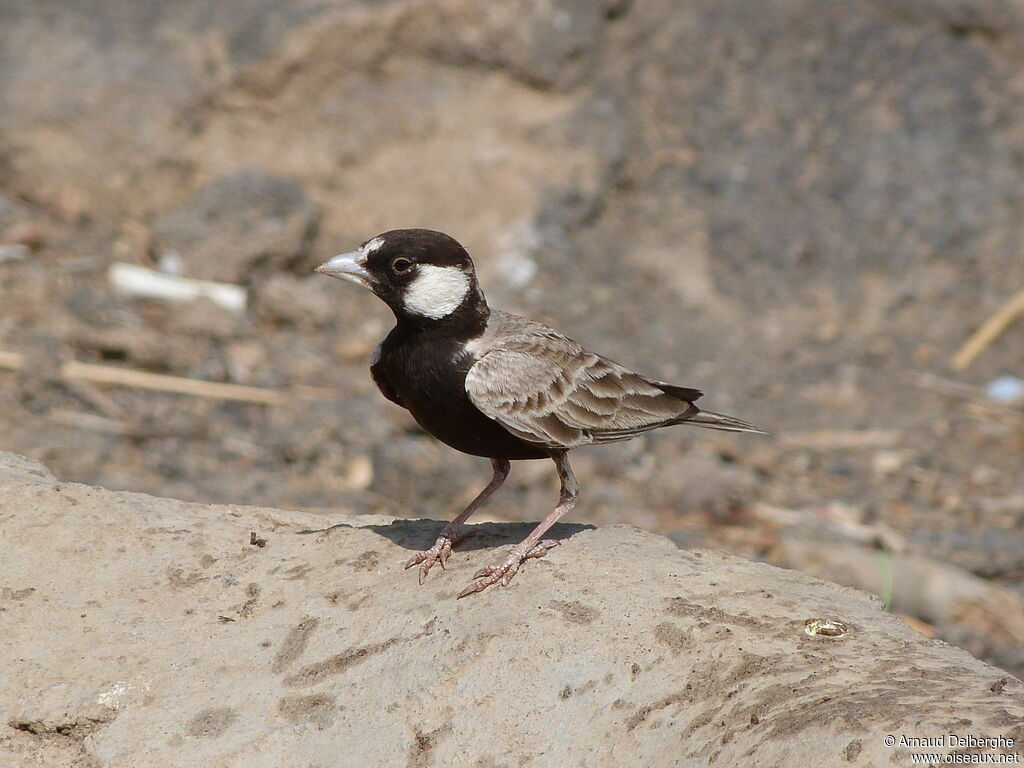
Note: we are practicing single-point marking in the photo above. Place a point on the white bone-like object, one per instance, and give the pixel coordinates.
(145, 283)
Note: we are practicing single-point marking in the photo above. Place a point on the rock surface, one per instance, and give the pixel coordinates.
(237, 223)
(141, 631)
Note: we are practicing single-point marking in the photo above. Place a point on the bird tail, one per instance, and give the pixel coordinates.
(711, 420)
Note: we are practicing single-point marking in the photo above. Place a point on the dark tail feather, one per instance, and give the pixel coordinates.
(711, 420)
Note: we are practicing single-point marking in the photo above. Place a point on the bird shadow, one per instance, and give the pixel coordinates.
(418, 535)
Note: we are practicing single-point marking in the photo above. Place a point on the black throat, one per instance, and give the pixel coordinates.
(425, 363)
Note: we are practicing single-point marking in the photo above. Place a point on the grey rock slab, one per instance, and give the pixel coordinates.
(151, 632)
(141, 631)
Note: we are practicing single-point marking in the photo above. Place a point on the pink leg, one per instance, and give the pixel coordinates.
(451, 533)
(532, 545)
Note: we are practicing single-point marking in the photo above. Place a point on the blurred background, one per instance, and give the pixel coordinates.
(804, 208)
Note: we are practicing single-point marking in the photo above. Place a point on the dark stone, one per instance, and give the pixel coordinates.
(237, 225)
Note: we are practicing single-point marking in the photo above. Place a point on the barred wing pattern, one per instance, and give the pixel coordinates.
(545, 388)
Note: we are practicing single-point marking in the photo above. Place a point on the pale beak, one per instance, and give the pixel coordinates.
(347, 266)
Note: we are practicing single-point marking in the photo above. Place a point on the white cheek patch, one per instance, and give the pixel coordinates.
(436, 292)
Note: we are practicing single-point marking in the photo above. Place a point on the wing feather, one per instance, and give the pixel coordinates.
(545, 388)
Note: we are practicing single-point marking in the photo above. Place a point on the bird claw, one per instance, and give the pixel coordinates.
(493, 574)
(439, 553)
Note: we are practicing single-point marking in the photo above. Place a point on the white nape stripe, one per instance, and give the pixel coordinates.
(436, 292)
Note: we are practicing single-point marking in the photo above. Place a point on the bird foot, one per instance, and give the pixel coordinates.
(503, 573)
(439, 553)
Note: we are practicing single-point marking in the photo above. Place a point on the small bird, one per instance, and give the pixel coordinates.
(493, 384)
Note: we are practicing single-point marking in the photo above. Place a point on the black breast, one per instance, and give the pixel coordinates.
(428, 372)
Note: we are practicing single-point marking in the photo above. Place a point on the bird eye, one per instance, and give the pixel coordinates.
(401, 266)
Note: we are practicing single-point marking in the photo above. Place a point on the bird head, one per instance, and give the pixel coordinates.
(424, 276)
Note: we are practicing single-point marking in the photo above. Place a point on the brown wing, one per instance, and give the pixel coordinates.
(547, 389)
